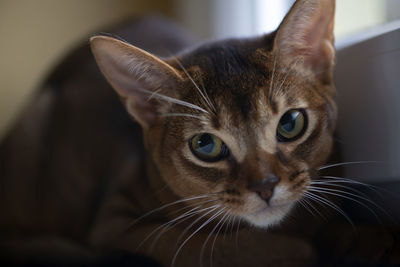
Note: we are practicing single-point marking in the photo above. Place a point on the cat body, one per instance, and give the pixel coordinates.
(75, 145)
(225, 133)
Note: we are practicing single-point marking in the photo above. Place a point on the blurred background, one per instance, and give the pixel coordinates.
(35, 35)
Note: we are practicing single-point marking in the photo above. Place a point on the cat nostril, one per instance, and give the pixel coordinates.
(265, 188)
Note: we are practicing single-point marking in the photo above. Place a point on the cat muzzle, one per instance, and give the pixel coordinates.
(265, 188)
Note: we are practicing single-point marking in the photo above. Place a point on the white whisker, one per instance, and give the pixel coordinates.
(207, 100)
(192, 205)
(196, 231)
(315, 209)
(272, 78)
(216, 235)
(329, 203)
(205, 92)
(188, 213)
(336, 179)
(192, 224)
(337, 185)
(205, 242)
(303, 203)
(231, 222)
(237, 233)
(172, 100)
(349, 196)
(166, 206)
(182, 115)
(287, 75)
(346, 163)
(182, 218)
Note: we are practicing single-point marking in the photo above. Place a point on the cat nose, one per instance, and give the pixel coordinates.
(265, 188)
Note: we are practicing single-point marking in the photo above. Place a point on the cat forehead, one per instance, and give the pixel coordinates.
(238, 70)
(246, 82)
(231, 72)
(247, 93)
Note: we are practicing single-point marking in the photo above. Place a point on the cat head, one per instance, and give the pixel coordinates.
(240, 123)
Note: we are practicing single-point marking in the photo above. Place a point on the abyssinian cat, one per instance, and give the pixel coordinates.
(223, 137)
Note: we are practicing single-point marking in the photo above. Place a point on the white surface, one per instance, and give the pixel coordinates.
(231, 18)
(368, 84)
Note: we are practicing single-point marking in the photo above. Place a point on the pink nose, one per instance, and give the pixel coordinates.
(265, 188)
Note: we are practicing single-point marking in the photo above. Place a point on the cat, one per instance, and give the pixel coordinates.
(233, 128)
(221, 137)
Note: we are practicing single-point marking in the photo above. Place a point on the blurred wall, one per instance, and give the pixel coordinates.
(36, 34)
(227, 18)
(358, 15)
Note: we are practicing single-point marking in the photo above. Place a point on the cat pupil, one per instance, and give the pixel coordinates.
(206, 144)
(288, 121)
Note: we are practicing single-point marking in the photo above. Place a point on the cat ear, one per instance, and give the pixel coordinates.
(306, 35)
(135, 75)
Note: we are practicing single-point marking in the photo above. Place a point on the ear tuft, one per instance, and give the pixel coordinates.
(134, 74)
(306, 33)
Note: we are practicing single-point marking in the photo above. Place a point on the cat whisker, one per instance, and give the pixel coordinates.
(182, 115)
(231, 224)
(376, 189)
(206, 94)
(171, 100)
(190, 226)
(207, 239)
(291, 68)
(197, 230)
(237, 233)
(202, 94)
(315, 209)
(337, 182)
(327, 202)
(168, 205)
(204, 244)
(223, 220)
(304, 204)
(337, 185)
(174, 222)
(346, 163)
(272, 79)
(228, 219)
(349, 196)
(186, 214)
(192, 205)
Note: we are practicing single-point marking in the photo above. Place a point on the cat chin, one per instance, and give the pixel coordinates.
(268, 216)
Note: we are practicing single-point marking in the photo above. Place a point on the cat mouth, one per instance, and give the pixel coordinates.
(272, 208)
(269, 214)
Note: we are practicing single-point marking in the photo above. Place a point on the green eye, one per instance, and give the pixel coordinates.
(208, 147)
(292, 125)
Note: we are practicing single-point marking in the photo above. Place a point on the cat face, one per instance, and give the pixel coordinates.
(243, 123)
(237, 145)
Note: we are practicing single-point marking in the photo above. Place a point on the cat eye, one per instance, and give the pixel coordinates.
(208, 147)
(292, 125)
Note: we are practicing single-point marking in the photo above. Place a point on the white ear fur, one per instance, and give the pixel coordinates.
(306, 34)
(134, 74)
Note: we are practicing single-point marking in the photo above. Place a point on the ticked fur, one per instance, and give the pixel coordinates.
(136, 183)
(237, 90)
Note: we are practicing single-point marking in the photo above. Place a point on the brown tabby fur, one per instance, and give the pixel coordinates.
(76, 168)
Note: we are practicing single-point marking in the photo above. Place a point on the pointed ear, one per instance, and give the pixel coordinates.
(135, 75)
(306, 34)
